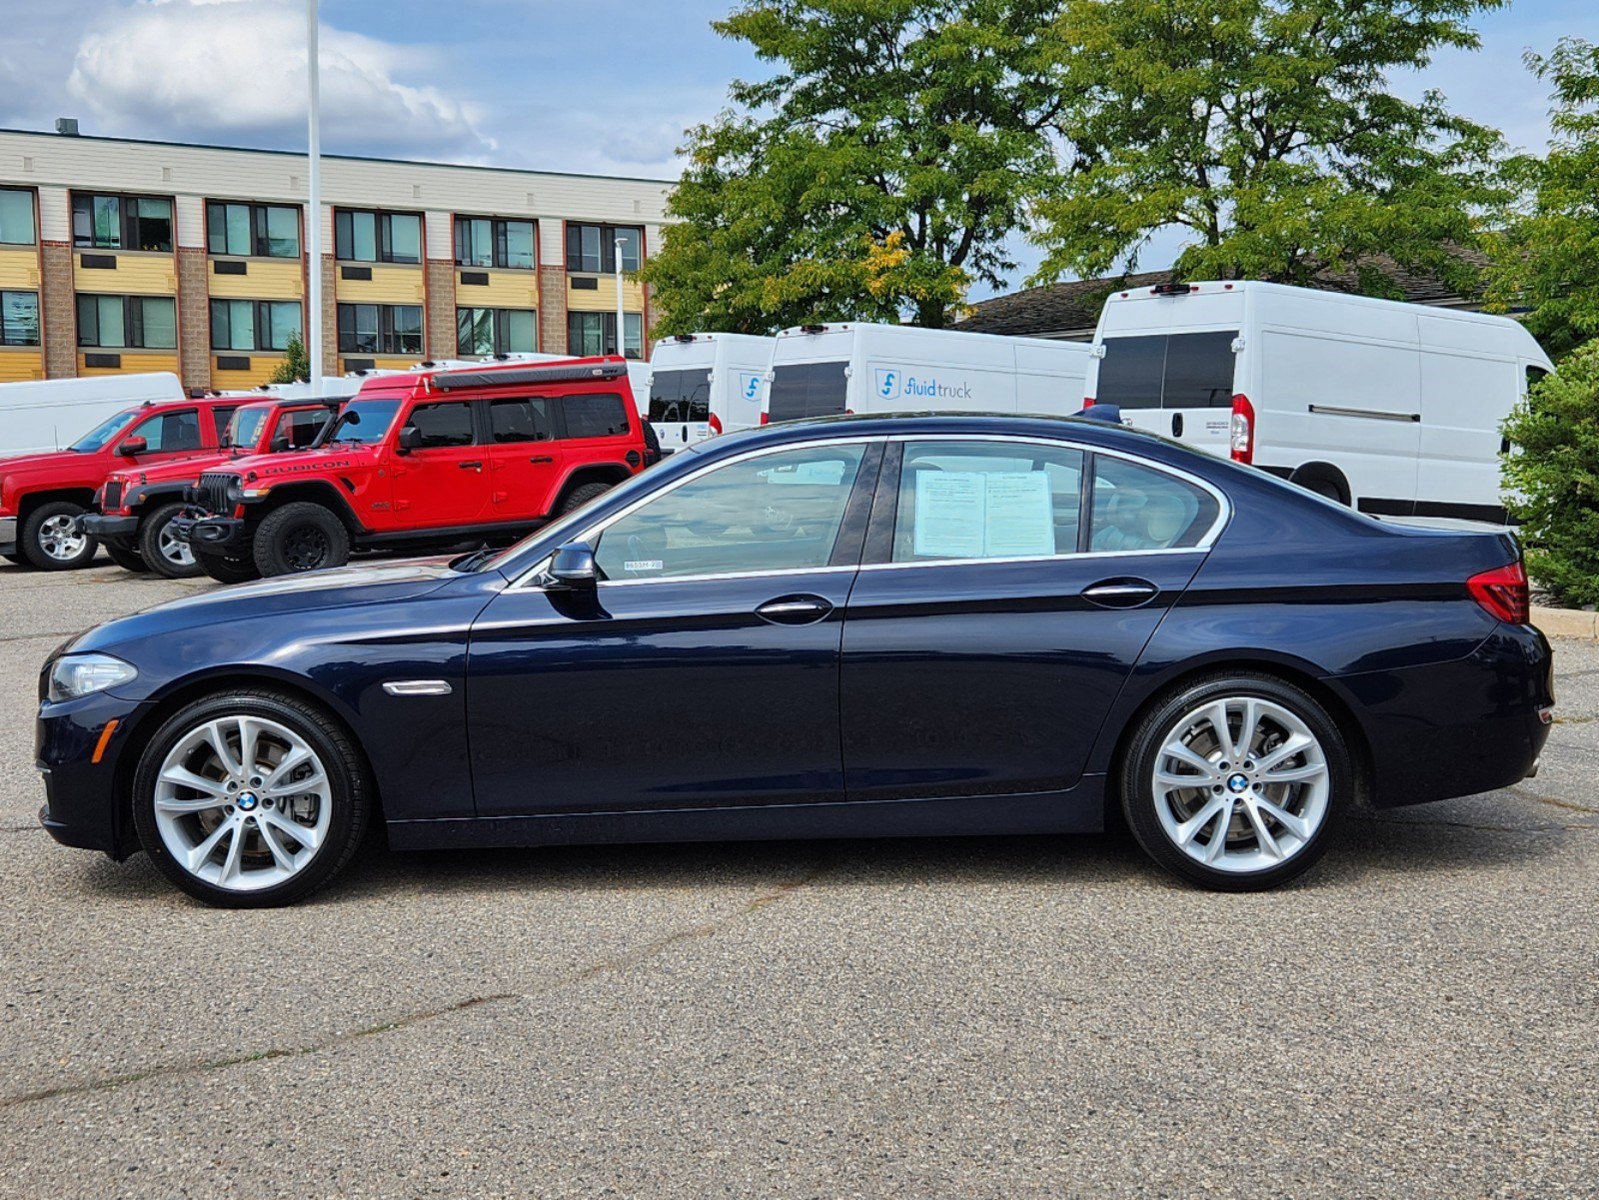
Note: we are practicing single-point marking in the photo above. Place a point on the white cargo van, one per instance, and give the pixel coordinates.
(44, 415)
(706, 383)
(1391, 407)
(819, 370)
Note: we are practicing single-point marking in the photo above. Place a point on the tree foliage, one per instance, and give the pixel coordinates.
(296, 366)
(1546, 254)
(1552, 477)
(1268, 130)
(878, 171)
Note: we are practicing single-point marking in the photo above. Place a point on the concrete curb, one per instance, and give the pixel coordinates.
(1566, 622)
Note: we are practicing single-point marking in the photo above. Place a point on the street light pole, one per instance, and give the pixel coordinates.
(313, 341)
(621, 339)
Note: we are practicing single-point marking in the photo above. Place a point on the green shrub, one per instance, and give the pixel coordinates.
(1551, 477)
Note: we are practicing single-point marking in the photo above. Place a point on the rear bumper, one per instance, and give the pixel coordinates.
(8, 535)
(211, 535)
(108, 528)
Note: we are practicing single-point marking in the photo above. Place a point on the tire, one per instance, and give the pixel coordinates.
(228, 570)
(1323, 487)
(301, 536)
(127, 558)
(1275, 830)
(162, 552)
(582, 495)
(50, 540)
(315, 831)
(15, 559)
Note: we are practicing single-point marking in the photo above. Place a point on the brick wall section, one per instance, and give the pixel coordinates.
(552, 310)
(441, 330)
(60, 319)
(330, 317)
(194, 318)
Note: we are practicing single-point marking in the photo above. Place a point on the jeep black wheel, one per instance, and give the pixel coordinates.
(228, 570)
(300, 537)
(126, 557)
(582, 495)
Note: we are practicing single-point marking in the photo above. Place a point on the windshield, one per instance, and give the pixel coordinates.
(102, 433)
(364, 422)
(245, 428)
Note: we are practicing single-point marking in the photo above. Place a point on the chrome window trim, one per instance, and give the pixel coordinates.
(1224, 511)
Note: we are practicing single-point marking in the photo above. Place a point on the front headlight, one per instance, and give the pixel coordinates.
(77, 675)
(235, 490)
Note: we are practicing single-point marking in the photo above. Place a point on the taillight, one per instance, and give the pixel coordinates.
(765, 417)
(1088, 403)
(1502, 592)
(1241, 430)
(715, 422)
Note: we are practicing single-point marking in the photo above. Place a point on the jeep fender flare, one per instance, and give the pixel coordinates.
(316, 491)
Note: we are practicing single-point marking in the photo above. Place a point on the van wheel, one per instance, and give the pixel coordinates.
(127, 558)
(581, 496)
(52, 540)
(228, 570)
(165, 554)
(300, 537)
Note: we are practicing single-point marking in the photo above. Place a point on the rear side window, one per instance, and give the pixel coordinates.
(807, 390)
(602, 415)
(522, 420)
(443, 425)
(1179, 370)
(680, 396)
(1139, 508)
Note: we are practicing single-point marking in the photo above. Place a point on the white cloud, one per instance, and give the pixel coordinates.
(234, 70)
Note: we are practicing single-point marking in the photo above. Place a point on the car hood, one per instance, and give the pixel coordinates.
(19, 464)
(182, 468)
(281, 597)
(299, 462)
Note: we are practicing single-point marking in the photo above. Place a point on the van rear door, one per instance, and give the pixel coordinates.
(809, 389)
(680, 406)
(1179, 385)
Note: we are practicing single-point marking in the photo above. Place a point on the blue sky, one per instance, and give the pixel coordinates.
(576, 85)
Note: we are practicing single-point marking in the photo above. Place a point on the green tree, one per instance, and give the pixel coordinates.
(295, 367)
(1552, 477)
(1546, 255)
(877, 172)
(1267, 130)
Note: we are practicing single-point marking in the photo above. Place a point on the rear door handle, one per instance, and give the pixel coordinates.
(470, 466)
(1127, 592)
(541, 458)
(794, 610)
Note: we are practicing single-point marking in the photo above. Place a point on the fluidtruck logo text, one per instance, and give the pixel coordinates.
(892, 382)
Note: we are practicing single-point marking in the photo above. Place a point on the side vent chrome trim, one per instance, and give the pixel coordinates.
(418, 687)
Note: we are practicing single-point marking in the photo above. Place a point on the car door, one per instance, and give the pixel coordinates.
(1007, 591)
(443, 480)
(702, 670)
(526, 461)
(167, 436)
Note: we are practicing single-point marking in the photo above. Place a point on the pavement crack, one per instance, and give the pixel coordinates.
(1552, 801)
(34, 637)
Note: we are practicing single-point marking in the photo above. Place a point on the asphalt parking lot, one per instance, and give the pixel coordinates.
(989, 1017)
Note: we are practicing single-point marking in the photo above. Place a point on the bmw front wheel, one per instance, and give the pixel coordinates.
(249, 799)
(1234, 781)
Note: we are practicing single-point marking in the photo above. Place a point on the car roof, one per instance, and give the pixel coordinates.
(413, 382)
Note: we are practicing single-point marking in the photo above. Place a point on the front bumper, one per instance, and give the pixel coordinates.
(99, 525)
(210, 535)
(8, 535)
(83, 804)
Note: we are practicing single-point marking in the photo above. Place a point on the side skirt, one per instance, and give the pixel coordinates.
(1077, 810)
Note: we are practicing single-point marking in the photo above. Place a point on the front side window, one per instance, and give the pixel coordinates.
(591, 249)
(170, 431)
(807, 390)
(246, 230)
(380, 328)
(19, 318)
(128, 322)
(1179, 370)
(596, 416)
(589, 334)
(108, 222)
(680, 396)
(362, 235)
(774, 512)
(485, 331)
(520, 420)
(968, 500)
(1140, 508)
(442, 425)
(16, 217)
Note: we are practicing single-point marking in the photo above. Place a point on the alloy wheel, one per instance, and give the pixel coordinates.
(305, 548)
(61, 539)
(177, 552)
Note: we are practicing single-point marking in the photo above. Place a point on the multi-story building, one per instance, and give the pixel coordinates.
(122, 255)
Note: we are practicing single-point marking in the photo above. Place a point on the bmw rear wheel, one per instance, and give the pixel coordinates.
(249, 799)
(1234, 781)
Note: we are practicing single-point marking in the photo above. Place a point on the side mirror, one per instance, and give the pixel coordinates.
(410, 439)
(279, 444)
(574, 567)
(128, 447)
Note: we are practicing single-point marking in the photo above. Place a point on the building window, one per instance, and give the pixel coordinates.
(105, 222)
(589, 333)
(361, 235)
(252, 230)
(496, 331)
(380, 329)
(19, 318)
(592, 248)
(16, 217)
(128, 322)
(491, 242)
(254, 324)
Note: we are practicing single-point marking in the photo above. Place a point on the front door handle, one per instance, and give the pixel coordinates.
(1126, 592)
(470, 466)
(794, 610)
(541, 458)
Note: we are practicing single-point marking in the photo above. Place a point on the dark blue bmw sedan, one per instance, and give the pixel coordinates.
(922, 625)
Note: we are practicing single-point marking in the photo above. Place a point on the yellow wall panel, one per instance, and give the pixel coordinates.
(384, 362)
(505, 289)
(264, 279)
(20, 365)
(134, 362)
(136, 274)
(388, 285)
(19, 268)
(261, 368)
(603, 298)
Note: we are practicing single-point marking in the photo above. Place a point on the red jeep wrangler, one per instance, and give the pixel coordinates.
(431, 458)
(43, 495)
(135, 509)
